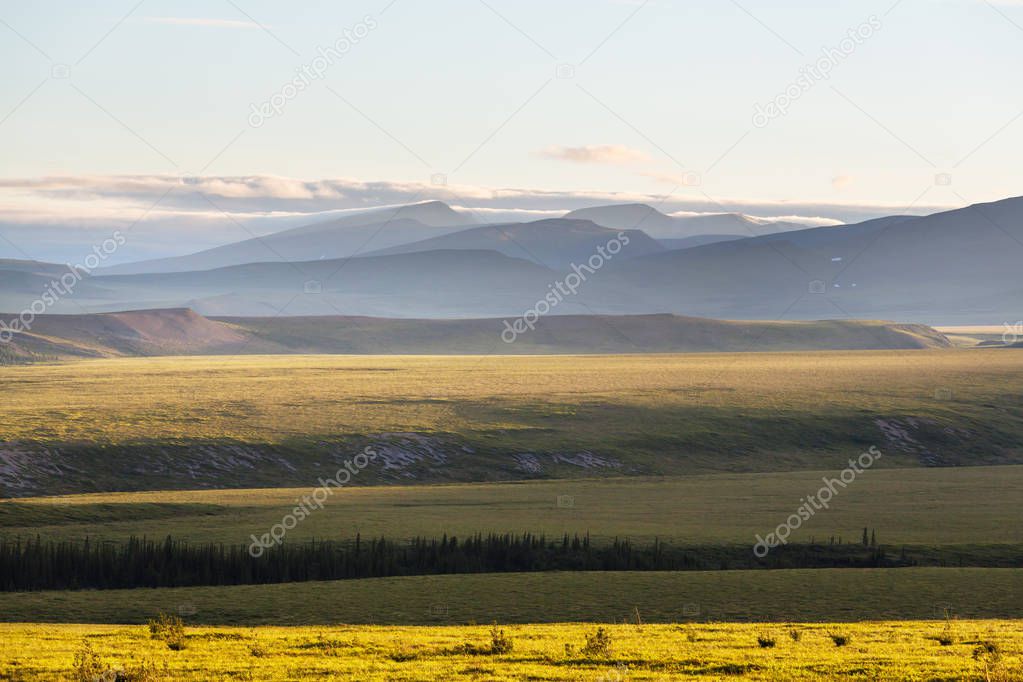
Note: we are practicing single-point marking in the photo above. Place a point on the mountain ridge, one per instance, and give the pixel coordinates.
(663, 226)
(553, 242)
(342, 237)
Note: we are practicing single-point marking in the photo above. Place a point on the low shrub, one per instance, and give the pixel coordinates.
(143, 671)
(87, 665)
(598, 643)
(500, 643)
(987, 652)
(403, 655)
(170, 629)
(840, 639)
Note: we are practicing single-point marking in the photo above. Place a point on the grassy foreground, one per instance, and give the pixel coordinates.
(665, 597)
(776, 651)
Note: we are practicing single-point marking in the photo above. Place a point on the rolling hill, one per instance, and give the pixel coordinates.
(184, 332)
(135, 333)
(23, 281)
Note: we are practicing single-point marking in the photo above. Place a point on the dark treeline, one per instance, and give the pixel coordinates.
(34, 564)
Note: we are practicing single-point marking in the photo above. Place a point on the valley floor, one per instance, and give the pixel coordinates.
(935, 507)
(909, 650)
(256, 422)
(829, 595)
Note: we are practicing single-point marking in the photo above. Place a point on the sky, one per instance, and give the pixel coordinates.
(200, 123)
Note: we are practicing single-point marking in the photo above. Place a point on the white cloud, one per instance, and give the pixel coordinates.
(170, 214)
(840, 182)
(615, 154)
(809, 221)
(101, 195)
(687, 179)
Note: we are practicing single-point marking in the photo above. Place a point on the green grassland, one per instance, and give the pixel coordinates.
(263, 421)
(846, 595)
(691, 449)
(922, 506)
(801, 651)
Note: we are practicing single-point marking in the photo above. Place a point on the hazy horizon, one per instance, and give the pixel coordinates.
(280, 117)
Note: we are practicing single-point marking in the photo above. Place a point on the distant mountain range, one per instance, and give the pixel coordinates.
(558, 242)
(340, 238)
(662, 226)
(430, 261)
(955, 265)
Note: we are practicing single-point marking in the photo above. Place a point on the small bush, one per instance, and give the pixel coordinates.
(328, 647)
(987, 653)
(258, 650)
(840, 639)
(948, 633)
(170, 629)
(500, 643)
(766, 642)
(795, 634)
(142, 672)
(403, 655)
(598, 643)
(87, 666)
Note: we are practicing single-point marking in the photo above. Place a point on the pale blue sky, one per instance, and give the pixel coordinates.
(474, 96)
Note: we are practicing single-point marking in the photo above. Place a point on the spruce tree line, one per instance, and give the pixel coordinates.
(35, 564)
